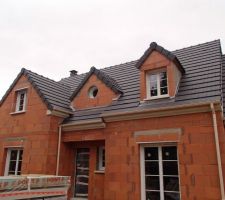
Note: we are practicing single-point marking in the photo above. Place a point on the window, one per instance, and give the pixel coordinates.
(21, 100)
(13, 162)
(157, 85)
(159, 170)
(92, 92)
(101, 158)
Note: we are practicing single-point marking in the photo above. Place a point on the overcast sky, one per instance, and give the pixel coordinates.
(52, 37)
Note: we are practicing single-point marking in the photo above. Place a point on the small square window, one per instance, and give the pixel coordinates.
(21, 100)
(101, 158)
(157, 85)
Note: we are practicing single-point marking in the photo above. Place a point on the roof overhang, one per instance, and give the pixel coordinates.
(161, 112)
(59, 112)
(84, 125)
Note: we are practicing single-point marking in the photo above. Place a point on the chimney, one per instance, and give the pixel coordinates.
(73, 73)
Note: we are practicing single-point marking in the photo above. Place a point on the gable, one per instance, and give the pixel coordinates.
(104, 96)
(154, 61)
(53, 94)
(34, 105)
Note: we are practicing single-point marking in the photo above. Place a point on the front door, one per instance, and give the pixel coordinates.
(82, 174)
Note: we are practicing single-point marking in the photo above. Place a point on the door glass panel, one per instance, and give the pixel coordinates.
(152, 196)
(82, 173)
(152, 183)
(170, 168)
(151, 168)
(171, 183)
(171, 196)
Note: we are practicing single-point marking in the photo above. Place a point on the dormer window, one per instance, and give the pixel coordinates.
(157, 86)
(21, 100)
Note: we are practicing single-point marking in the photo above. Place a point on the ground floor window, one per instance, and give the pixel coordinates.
(13, 162)
(160, 174)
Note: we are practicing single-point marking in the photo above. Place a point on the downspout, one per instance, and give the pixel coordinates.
(218, 151)
(58, 150)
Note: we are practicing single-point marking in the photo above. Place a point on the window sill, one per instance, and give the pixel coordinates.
(17, 112)
(157, 97)
(99, 171)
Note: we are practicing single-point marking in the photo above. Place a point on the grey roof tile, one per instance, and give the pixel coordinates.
(223, 82)
(201, 81)
(52, 93)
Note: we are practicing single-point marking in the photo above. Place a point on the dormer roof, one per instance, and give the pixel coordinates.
(53, 94)
(109, 82)
(169, 55)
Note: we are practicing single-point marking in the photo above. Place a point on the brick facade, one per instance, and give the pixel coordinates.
(192, 132)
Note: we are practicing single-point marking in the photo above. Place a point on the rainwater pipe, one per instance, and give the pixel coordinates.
(58, 150)
(218, 151)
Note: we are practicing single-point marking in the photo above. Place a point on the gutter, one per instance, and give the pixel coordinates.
(58, 150)
(218, 154)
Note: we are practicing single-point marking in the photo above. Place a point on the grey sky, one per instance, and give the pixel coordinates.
(54, 36)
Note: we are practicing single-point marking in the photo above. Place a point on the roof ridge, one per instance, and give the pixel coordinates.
(100, 69)
(104, 77)
(168, 54)
(29, 71)
(196, 45)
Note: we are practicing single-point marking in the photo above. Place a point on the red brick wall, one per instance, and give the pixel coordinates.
(196, 149)
(104, 97)
(39, 132)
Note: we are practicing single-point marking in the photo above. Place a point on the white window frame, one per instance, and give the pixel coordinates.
(142, 168)
(18, 96)
(8, 158)
(101, 167)
(157, 73)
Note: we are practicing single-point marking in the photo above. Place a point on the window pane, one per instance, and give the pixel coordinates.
(171, 183)
(163, 75)
(13, 155)
(154, 93)
(153, 85)
(21, 155)
(169, 153)
(170, 168)
(152, 183)
(171, 196)
(163, 83)
(153, 78)
(164, 90)
(152, 196)
(19, 165)
(151, 168)
(12, 166)
(151, 153)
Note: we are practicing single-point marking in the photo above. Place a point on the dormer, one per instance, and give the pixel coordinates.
(96, 89)
(160, 72)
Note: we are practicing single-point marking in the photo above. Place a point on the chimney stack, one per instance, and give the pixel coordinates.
(73, 73)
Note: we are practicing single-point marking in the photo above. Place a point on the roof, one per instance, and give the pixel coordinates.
(109, 81)
(201, 82)
(223, 81)
(53, 94)
(169, 55)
